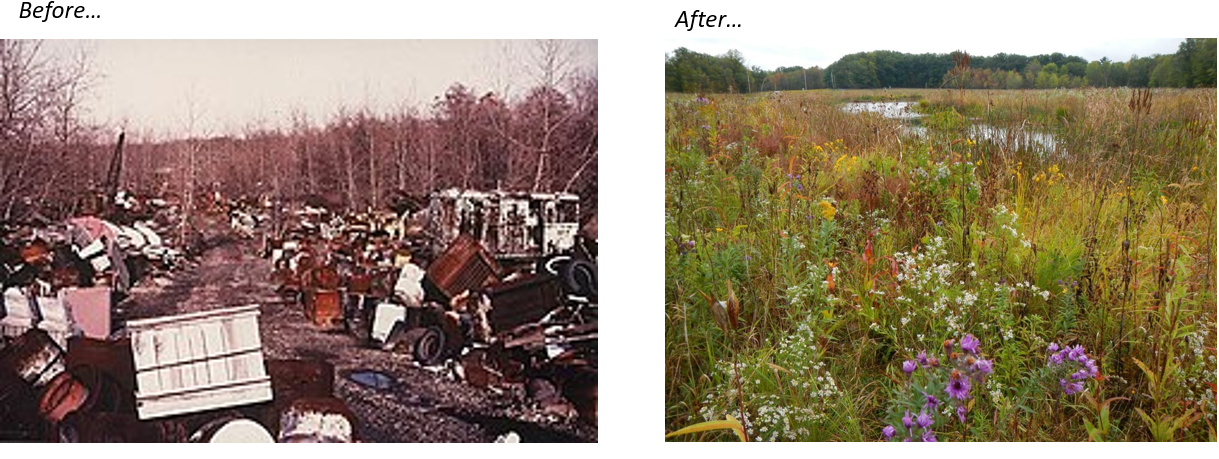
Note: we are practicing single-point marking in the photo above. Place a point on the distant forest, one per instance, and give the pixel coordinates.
(1193, 65)
(50, 158)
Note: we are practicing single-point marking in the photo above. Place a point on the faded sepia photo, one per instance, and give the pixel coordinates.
(298, 241)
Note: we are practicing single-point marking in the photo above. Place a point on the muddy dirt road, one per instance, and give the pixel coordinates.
(422, 404)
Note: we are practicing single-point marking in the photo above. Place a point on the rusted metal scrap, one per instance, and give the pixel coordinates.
(465, 265)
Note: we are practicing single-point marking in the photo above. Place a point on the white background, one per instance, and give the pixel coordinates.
(632, 40)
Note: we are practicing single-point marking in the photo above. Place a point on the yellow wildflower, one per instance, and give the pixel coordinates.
(827, 210)
(718, 229)
(1163, 200)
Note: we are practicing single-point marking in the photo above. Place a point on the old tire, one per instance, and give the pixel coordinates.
(402, 339)
(429, 346)
(580, 278)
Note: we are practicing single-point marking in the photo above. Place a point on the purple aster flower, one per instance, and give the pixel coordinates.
(924, 420)
(932, 402)
(888, 432)
(907, 439)
(958, 387)
(961, 413)
(1090, 365)
(800, 186)
(1077, 353)
(907, 421)
(1070, 388)
(909, 366)
(929, 437)
(970, 344)
(707, 126)
(947, 346)
(1055, 359)
(983, 366)
(922, 358)
(1053, 347)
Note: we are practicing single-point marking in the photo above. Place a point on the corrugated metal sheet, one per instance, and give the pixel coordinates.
(198, 361)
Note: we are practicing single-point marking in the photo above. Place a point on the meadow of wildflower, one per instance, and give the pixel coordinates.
(841, 275)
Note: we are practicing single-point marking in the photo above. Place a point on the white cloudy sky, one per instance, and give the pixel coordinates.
(151, 85)
(772, 53)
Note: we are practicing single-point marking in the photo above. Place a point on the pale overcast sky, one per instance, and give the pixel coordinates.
(151, 84)
(769, 54)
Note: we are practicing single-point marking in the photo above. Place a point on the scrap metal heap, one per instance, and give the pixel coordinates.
(496, 289)
(505, 295)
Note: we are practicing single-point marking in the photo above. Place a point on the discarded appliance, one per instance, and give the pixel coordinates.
(198, 361)
(23, 312)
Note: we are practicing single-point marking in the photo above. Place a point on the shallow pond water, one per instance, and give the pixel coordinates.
(1019, 139)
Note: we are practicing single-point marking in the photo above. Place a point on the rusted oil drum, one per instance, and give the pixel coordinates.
(61, 396)
(317, 420)
(232, 430)
(105, 393)
(93, 427)
(324, 307)
(33, 357)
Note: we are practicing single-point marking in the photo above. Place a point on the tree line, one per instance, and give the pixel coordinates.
(1193, 65)
(50, 159)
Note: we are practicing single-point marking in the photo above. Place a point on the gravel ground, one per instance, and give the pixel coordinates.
(423, 405)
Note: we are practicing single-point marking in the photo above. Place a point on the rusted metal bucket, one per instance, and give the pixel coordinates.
(317, 420)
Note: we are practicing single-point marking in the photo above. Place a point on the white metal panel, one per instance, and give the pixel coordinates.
(198, 361)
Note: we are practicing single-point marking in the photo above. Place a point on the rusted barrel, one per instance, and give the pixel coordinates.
(61, 396)
(317, 420)
(106, 394)
(232, 430)
(93, 427)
